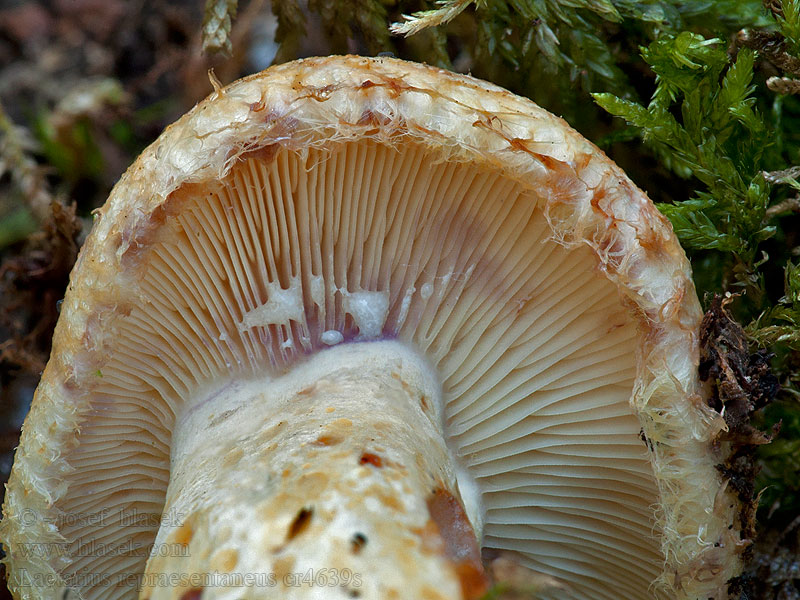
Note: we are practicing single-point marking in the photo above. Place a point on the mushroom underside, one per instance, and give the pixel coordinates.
(293, 252)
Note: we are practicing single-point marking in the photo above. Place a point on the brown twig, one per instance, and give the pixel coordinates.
(784, 85)
(772, 46)
(788, 205)
(774, 6)
(782, 175)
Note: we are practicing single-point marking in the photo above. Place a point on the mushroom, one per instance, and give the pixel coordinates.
(350, 321)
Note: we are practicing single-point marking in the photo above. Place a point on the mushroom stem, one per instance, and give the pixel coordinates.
(334, 475)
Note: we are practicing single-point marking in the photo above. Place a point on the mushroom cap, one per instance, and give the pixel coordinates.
(548, 292)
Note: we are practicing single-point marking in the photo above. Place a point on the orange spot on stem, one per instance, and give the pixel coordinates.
(327, 440)
(372, 459)
(461, 546)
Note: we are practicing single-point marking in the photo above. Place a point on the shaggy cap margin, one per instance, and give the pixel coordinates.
(587, 200)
